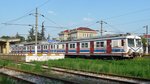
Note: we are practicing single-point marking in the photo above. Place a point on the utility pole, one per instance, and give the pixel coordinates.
(36, 29)
(146, 39)
(101, 29)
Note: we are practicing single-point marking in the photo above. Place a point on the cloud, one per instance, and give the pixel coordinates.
(87, 19)
(52, 12)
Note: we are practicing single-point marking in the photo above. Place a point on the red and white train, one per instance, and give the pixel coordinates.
(116, 45)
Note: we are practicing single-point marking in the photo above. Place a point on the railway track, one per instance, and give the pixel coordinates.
(106, 78)
(88, 77)
(32, 78)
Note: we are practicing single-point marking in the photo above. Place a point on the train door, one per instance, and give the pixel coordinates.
(109, 48)
(30, 49)
(49, 48)
(42, 48)
(91, 47)
(78, 47)
(66, 48)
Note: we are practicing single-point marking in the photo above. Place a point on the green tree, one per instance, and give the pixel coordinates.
(144, 41)
(6, 37)
(39, 37)
(31, 36)
(43, 32)
(48, 37)
(20, 37)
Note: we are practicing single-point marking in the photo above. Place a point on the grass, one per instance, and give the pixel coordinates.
(139, 67)
(37, 68)
(6, 80)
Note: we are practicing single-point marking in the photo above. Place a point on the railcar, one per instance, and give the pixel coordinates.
(107, 46)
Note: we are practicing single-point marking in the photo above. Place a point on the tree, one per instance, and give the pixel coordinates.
(144, 41)
(20, 37)
(5, 37)
(48, 38)
(43, 32)
(31, 36)
(39, 37)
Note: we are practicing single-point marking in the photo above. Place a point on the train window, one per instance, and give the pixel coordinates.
(99, 44)
(24, 48)
(72, 45)
(63, 46)
(131, 42)
(102, 44)
(43, 46)
(84, 45)
(122, 42)
(39, 47)
(138, 43)
(57, 47)
(54, 46)
(32, 47)
(28, 47)
(51, 46)
(46, 47)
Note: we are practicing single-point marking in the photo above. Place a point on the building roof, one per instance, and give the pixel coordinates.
(79, 28)
(147, 36)
(66, 31)
(85, 28)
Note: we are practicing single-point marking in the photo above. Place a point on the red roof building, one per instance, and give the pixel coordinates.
(77, 33)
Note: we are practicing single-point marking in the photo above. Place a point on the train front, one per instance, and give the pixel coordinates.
(134, 46)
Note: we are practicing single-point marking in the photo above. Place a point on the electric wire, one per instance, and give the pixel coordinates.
(129, 13)
(27, 14)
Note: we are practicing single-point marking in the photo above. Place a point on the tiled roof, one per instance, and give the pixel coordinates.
(85, 28)
(66, 31)
(80, 28)
(147, 36)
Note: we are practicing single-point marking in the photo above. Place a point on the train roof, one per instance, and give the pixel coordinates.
(114, 36)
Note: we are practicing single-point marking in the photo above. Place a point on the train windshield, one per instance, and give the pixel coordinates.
(131, 42)
(138, 43)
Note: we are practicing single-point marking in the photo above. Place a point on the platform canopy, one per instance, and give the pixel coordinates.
(5, 45)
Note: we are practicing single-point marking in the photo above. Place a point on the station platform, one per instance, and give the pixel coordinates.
(32, 57)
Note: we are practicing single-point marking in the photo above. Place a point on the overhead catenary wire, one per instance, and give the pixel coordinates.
(113, 27)
(27, 14)
(129, 13)
(33, 25)
(132, 22)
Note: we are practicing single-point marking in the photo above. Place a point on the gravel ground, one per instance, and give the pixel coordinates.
(29, 77)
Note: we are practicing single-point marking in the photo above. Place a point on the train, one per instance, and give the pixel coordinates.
(119, 45)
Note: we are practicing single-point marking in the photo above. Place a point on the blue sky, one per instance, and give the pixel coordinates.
(121, 15)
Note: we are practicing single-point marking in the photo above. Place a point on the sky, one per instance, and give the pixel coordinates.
(121, 16)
